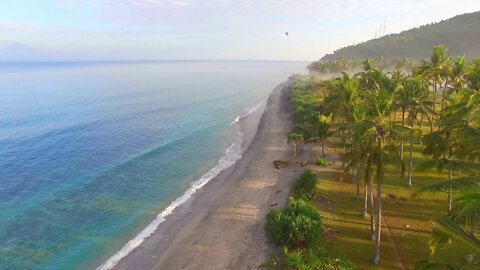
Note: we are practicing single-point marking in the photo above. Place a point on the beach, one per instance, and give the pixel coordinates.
(221, 226)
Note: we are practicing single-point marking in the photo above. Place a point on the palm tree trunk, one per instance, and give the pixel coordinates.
(421, 125)
(372, 211)
(402, 141)
(376, 256)
(450, 174)
(450, 195)
(341, 128)
(410, 162)
(357, 180)
(365, 201)
(353, 173)
(323, 149)
(378, 232)
(441, 112)
(433, 105)
(443, 102)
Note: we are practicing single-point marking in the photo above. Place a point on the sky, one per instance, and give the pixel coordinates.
(60, 30)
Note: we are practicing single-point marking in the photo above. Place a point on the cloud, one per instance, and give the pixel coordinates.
(230, 28)
(230, 12)
(12, 26)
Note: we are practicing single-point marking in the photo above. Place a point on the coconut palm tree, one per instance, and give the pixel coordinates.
(341, 104)
(450, 145)
(473, 75)
(434, 72)
(402, 100)
(317, 128)
(364, 153)
(415, 97)
(293, 139)
(376, 135)
(458, 74)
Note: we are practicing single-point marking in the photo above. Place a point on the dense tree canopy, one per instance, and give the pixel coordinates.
(461, 34)
(374, 114)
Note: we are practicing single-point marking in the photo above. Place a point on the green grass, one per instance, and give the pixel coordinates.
(409, 220)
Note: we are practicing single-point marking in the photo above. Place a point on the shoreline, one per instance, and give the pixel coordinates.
(222, 223)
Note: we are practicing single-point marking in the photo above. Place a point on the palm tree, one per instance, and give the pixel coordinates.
(341, 103)
(415, 95)
(341, 100)
(434, 72)
(453, 142)
(473, 75)
(365, 170)
(376, 135)
(403, 100)
(293, 139)
(455, 242)
(368, 194)
(317, 129)
(458, 75)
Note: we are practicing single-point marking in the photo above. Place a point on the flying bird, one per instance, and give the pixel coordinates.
(286, 34)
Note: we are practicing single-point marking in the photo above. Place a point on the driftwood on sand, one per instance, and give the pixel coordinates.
(282, 163)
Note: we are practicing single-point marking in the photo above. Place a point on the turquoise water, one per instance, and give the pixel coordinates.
(91, 153)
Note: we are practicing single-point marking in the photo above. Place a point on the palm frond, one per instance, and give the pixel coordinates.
(401, 129)
(428, 265)
(456, 232)
(466, 208)
(455, 184)
(439, 164)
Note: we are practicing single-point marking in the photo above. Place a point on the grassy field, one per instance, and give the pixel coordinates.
(407, 222)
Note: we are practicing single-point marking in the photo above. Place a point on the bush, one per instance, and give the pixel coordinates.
(321, 162)
(324, 256)
(297, 225)
(305, 183)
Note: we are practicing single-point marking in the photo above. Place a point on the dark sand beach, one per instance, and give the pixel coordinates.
(221, 226)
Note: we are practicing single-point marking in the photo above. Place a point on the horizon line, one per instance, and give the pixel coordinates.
(154, 60)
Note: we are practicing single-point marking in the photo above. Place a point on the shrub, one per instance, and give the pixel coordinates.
(305, 183)
(324, 256)
(292, 259)
(298, 224)
(321, 162)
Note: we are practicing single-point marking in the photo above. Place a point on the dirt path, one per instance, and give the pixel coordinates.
(396, 253)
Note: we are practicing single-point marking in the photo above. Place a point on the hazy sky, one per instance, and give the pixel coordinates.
(192, 29)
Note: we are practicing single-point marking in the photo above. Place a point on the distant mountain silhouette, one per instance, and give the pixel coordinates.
(461, 35)
(14, 51)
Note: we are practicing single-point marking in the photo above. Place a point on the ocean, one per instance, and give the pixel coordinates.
(95, 155)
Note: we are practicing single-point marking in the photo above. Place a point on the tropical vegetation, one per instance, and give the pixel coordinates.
(378, 120)
(297, 228)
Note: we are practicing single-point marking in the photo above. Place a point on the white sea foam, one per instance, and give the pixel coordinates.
(247, 112)
(232, 155)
